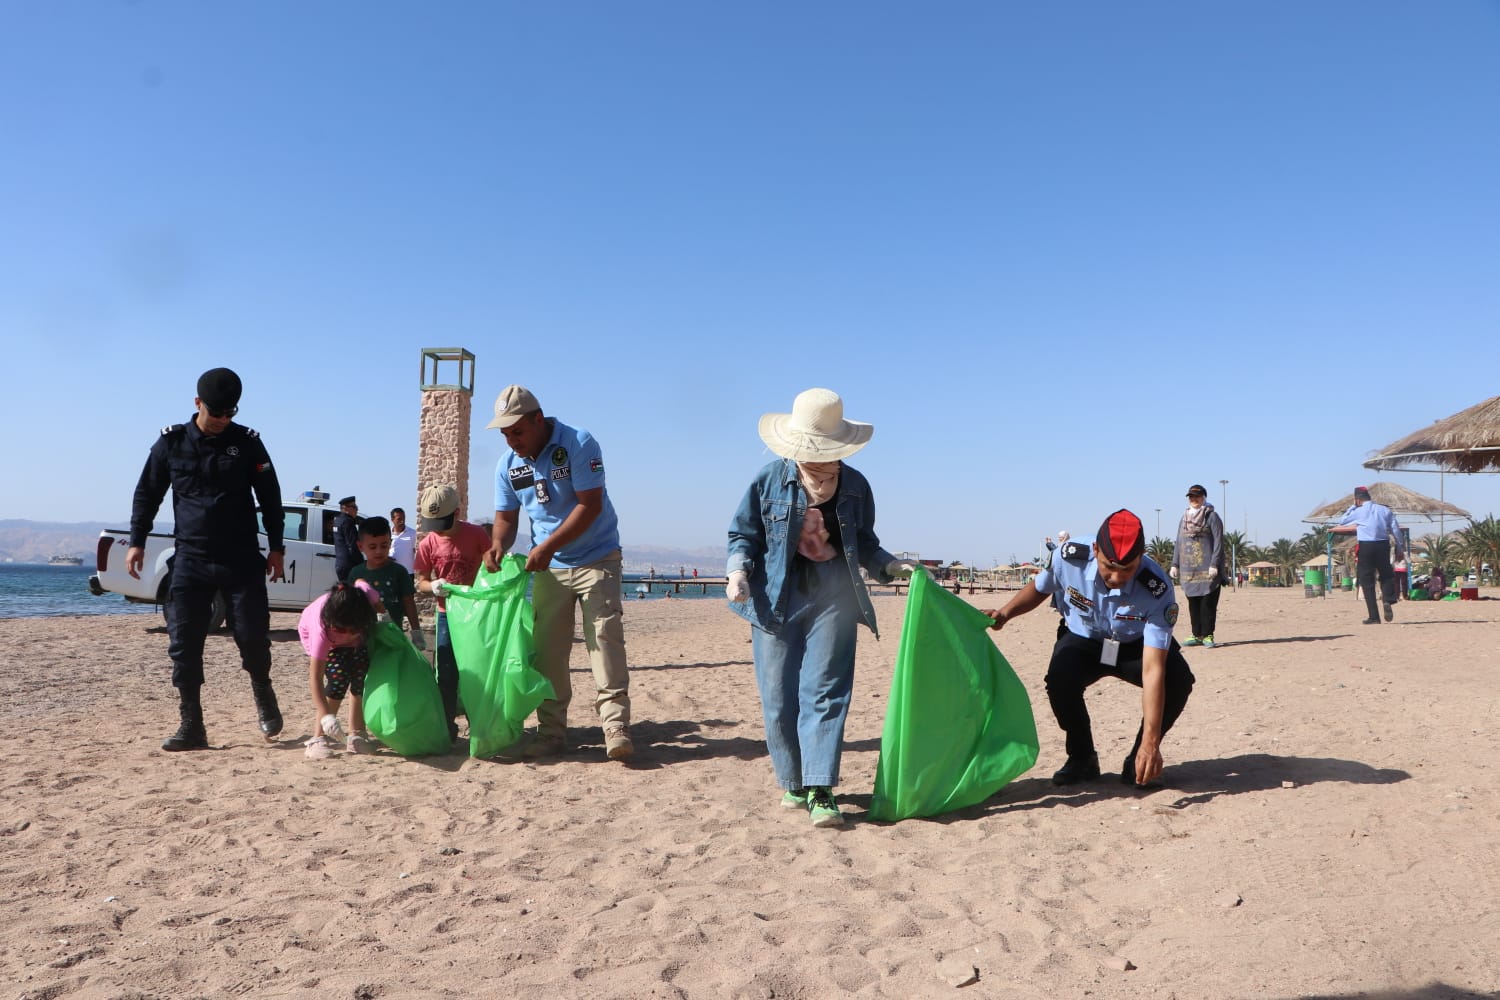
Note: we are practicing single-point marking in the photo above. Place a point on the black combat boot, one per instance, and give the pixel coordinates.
(266, 707)
(190, 734)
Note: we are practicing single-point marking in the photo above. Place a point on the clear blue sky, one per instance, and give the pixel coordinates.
(1065, 257)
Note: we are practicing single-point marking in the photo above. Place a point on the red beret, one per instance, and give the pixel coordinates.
(1121, 538)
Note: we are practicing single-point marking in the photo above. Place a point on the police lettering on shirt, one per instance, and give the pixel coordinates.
(521, 477)
(1144, 610)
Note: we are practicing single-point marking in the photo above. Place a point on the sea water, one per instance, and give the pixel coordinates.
(30, 590)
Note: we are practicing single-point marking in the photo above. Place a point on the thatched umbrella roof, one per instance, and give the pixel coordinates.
(1468, 441)
(1402, 501)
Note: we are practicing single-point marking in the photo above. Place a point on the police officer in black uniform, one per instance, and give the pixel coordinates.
(1118, 610)
(346, 554)
(217, 470)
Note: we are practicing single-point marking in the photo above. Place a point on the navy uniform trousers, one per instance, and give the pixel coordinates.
(1075, 667)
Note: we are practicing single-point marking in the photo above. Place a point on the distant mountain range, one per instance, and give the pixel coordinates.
(38, 541)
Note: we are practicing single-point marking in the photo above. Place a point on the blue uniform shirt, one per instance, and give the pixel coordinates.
(1373, 522)
(1144, 609)
(547, 488)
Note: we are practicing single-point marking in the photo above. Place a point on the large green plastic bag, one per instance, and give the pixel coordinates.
(403, 706)
(959, 725)
(491, 624)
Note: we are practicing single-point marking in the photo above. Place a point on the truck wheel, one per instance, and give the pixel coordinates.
(218, 611)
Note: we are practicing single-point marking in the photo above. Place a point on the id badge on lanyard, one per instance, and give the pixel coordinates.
(1109, 654)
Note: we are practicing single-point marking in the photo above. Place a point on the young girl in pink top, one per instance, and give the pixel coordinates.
(334, 630)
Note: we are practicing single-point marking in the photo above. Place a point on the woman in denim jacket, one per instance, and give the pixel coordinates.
(796, 545)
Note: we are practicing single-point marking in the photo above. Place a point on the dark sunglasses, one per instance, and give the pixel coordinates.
(221, 414)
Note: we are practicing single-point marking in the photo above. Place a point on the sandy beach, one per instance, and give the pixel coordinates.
(1326, 828)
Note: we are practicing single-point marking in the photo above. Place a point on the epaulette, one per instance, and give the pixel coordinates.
(1152, 581)
(1076, 552)
(172, 427)
(251, 432)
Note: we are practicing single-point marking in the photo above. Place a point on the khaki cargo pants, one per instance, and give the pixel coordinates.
(554, 593)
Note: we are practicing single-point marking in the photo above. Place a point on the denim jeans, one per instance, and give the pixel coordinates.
(447, 673)
(806, 677)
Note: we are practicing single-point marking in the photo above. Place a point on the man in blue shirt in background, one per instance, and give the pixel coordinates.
(557, 473)
(1118, 608)
(1373, 525)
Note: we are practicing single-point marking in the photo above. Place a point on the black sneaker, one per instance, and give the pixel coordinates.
(1370, 621)
(266, 708)
(1388, 615)
(189, 736)
(1127, 771)
(1077, 769)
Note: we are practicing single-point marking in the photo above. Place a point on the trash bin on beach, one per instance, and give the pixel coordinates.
(1347, 583)
(1312, 583)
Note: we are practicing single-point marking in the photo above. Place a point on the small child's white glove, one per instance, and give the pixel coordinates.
(738, 589)
(417, 638)
(331, 728)
(899, 569)
(1173, 573)
(439, 586)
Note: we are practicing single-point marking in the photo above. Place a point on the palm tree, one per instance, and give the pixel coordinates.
(1315, 542)
(1442, 552)
(1480, 543)
(1162, 550)
(1284, 553)
(1237, 551)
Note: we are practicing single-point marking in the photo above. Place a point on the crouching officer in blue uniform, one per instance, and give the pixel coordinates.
(216, 470)
(1118, 608)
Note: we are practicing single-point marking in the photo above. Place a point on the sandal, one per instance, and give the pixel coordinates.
(319, 748)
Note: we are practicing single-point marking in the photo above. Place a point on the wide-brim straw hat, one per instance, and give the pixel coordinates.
(815, 430)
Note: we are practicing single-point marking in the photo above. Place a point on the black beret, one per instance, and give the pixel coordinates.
(219, 388)
(347, 500)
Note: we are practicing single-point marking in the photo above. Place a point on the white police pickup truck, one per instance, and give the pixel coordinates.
(307, 570)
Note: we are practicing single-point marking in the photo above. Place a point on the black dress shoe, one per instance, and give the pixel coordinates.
(1077, 769)
(1388, 615)
(1127, 771)
(1370, 621)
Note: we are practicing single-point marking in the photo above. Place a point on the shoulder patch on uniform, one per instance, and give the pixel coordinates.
(1152, 582)
(1076, 552)
(1171, 614)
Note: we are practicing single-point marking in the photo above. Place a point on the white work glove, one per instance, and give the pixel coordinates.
(1173, 573)
(439, 586)
(738, 588)
(1213, 573)
(417, 638)
(899, 569)
(332, 729)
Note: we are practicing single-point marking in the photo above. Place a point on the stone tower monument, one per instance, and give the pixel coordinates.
(443, 444)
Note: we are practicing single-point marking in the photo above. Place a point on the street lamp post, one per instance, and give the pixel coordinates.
(1158, 522)
(1224, 508)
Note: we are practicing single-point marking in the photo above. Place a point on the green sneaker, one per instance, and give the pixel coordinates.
(1194, 641)
(1208, 642)
(794, 799)
(822, 808)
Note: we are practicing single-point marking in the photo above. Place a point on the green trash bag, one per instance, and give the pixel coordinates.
(490, 624)
(403, 706)
(959, 725)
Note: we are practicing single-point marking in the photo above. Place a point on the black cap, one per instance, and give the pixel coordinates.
(1121, 537)
(219, 388)
(1196, 490)
(347, 500)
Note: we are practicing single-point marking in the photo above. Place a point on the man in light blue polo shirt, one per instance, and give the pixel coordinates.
(557, 473)
(1373, 525)
(1119, 608)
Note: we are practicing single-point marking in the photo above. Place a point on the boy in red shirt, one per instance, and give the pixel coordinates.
(451, 551)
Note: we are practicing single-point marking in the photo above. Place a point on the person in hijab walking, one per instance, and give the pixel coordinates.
(796, 544)
(1198, 564)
